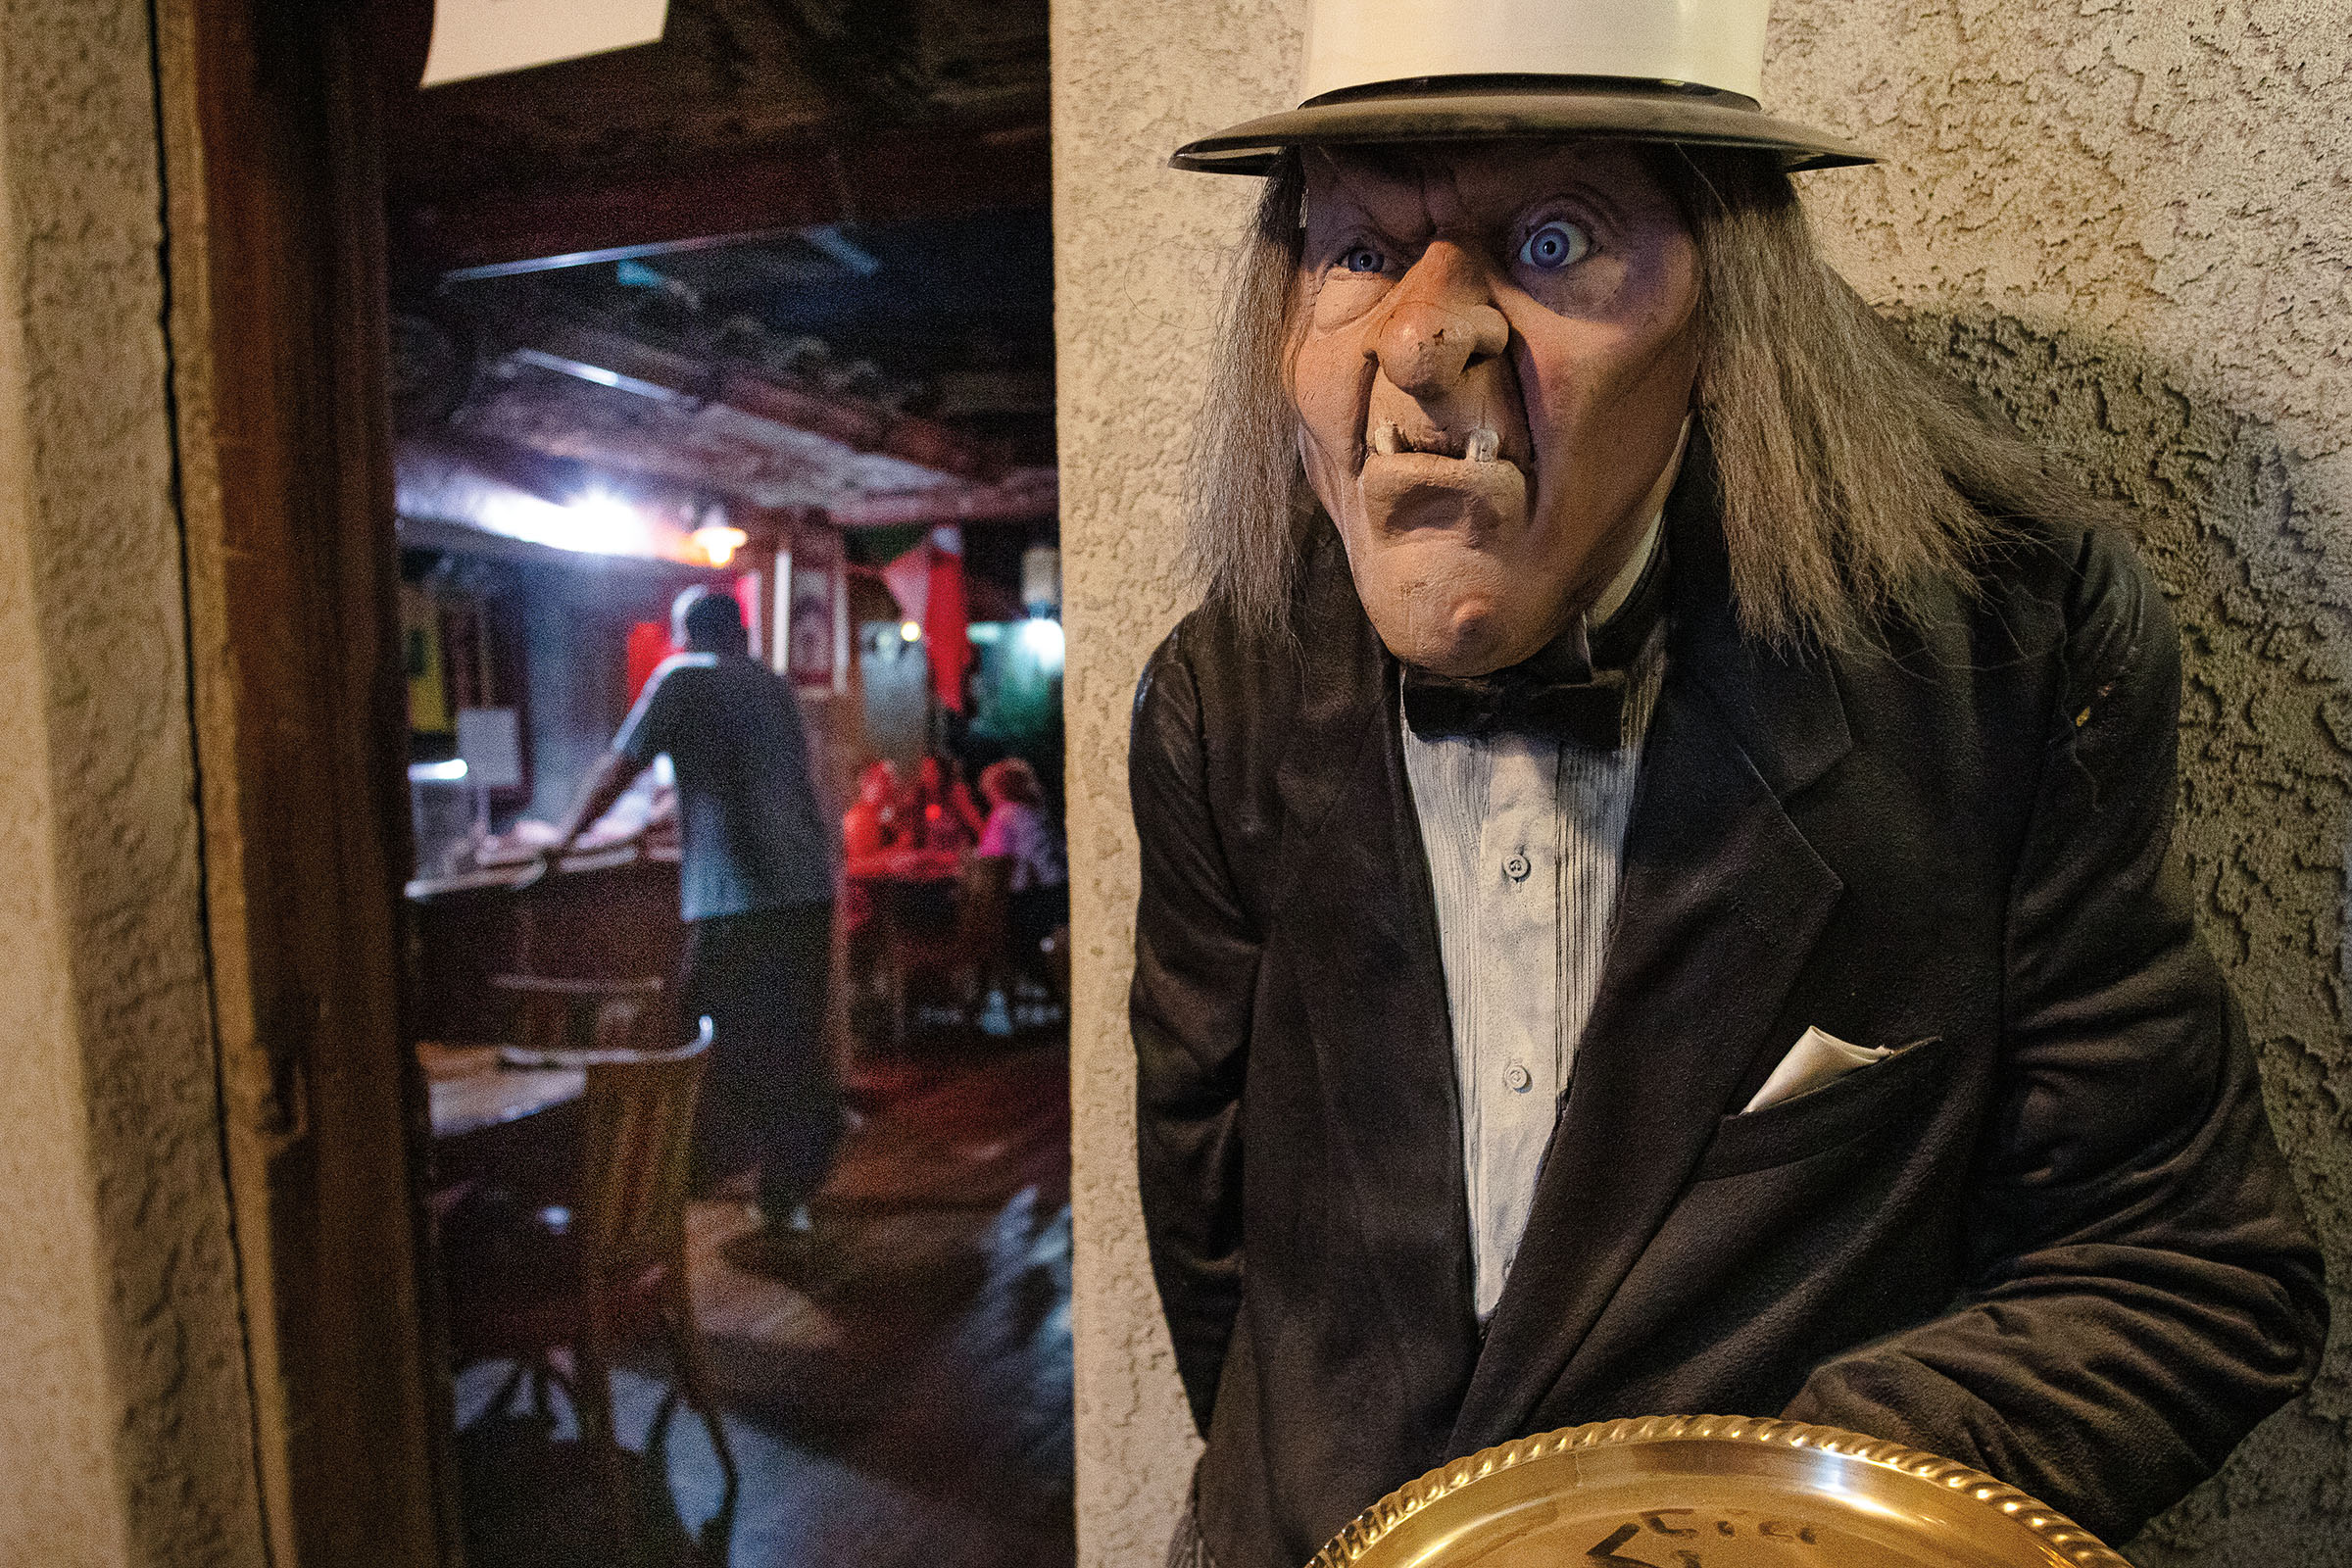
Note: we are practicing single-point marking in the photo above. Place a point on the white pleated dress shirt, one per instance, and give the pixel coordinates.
(1525, 840)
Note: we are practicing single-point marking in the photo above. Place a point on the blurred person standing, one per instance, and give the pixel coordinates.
(755, 889)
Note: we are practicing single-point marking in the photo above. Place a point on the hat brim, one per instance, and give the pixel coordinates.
(1667, 113)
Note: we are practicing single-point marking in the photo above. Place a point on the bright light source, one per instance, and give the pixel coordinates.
(1042, 640)
(595, 521)
(602, 521)
(718, 542)
(452, 772)
(911, 631)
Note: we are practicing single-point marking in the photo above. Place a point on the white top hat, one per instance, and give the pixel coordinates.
(1395, 70)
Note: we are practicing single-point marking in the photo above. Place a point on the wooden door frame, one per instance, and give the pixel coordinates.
(275, 261)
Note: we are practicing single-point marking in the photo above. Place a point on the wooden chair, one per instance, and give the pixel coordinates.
(1056, 950)
(983, 924)
(551, 1017)
(963, 956)
(612, 1268)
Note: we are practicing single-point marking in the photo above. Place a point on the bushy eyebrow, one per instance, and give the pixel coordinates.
(1354, 221)
(1355, 213)
(1390, 170)
(1587, 192)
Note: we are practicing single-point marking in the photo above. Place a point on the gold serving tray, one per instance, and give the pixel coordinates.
(1709, 1492)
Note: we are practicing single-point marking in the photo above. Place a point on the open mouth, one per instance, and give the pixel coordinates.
(1460, 483)
(1479, 444)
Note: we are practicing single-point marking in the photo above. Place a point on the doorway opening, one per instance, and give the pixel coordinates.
(763, 309)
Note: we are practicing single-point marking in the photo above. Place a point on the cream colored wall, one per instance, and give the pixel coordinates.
(2128, 223)
(1136, 251)
(125, 1429)
(2129, 219)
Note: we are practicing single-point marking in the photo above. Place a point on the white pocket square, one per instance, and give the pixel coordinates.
(1813, 1061)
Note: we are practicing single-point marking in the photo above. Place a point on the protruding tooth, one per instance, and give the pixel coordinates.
(1484, 446)
(1383, 438)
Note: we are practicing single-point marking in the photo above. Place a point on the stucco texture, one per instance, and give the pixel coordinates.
(125, 1429)
(1138, 252)
(2128, 223)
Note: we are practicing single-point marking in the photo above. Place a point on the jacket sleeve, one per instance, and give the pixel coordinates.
(2144, 1287)
(1196, 971)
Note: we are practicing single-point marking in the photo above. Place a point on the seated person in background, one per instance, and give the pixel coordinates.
(875, 822)
(962, 801)
(1019, 830)
(943, 812)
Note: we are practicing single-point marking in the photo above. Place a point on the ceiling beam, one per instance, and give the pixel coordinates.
(1025, 495)
(469, 539)
(611, 359)
(602, 216)
(558, 481)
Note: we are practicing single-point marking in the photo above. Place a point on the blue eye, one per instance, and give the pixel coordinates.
(1362, 258)
(1555, 245)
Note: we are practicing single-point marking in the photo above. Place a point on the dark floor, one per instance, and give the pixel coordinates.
(911, 1404)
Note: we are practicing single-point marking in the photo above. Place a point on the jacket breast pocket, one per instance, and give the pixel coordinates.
(1836, 1114)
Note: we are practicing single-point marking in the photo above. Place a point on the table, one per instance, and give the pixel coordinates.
(908, 889)
(609, 914)
(905, 865)
(470, 1091)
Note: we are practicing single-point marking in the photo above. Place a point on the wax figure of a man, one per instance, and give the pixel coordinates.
(1673, 694)
(757, 877)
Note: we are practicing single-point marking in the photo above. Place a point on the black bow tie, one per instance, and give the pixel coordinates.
(1572, 691)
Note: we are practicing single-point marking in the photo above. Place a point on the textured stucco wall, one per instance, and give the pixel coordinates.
(1138, 248)
(125, 1431)
(2129, 223)
(2126, 218)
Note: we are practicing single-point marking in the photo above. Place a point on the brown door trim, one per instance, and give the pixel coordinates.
(276, 259)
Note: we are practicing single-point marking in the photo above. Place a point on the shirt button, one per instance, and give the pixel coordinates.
(1517, 1078)
(1516, 868)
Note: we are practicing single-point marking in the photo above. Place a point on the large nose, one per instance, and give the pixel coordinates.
(1441, 322)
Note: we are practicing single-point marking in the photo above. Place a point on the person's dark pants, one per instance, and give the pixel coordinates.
(769, 1097)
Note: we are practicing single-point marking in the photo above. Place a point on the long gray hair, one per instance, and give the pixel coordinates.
(1854, 475)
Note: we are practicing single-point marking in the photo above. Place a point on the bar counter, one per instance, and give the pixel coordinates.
(602, 915)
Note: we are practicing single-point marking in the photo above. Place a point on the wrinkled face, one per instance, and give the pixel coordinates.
(1499, 345)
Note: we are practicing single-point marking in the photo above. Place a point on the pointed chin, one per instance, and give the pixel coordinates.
(1430, 544)
(1441, 604)
(1447, 630)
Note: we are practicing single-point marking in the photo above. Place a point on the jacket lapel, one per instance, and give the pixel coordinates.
(1355, 890)
(1720, 904)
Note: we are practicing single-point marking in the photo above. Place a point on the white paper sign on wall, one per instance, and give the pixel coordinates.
(490, 740)
(483, 37)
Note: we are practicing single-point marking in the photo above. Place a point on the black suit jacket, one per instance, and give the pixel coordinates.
(2052, 1239)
